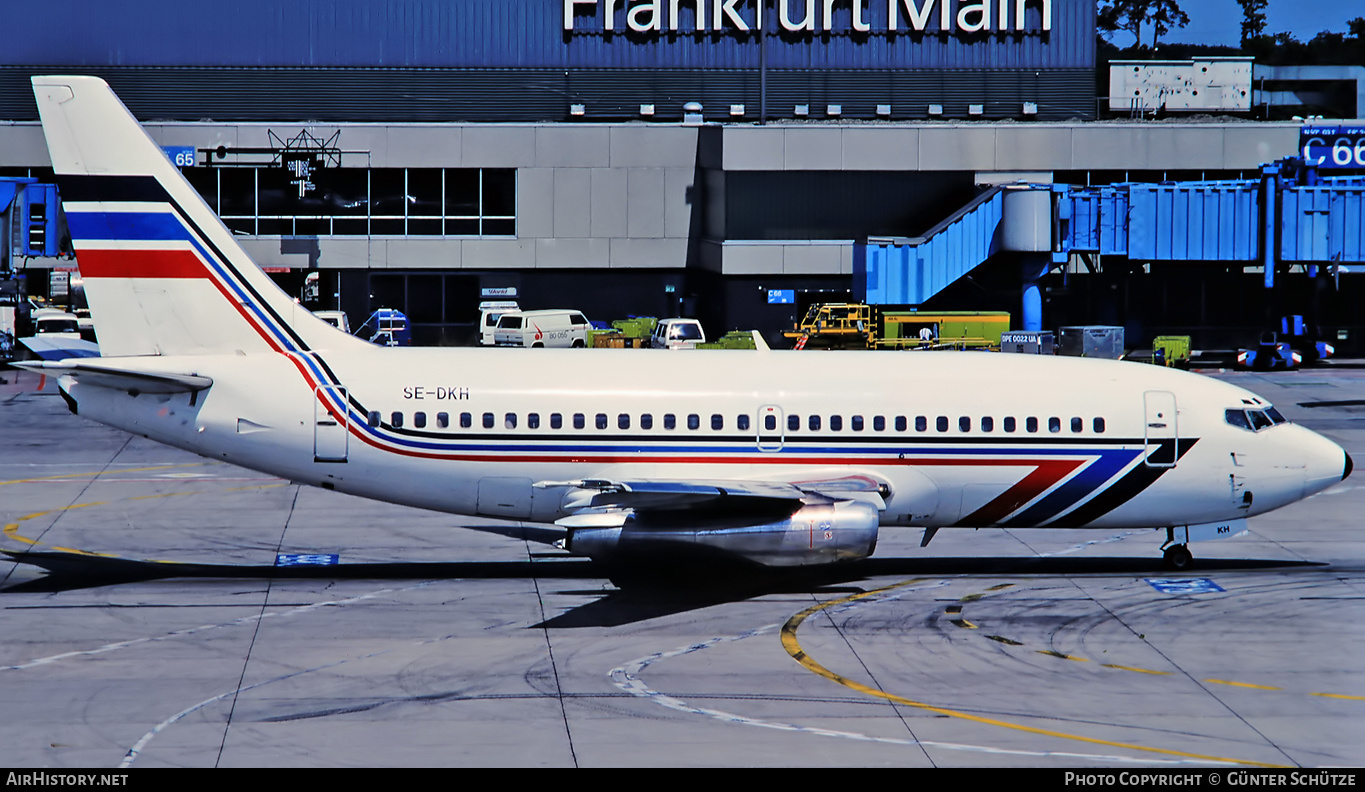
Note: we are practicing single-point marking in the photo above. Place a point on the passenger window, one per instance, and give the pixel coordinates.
(1098, 425)
(1009, 424)
(693, 421)
(396, 420)
(533, 420)
(1031, 424)
(770, 423)
(742, 423)
(879, 423)
(488, 420)
(443, 420)
(941, 423)
(814, 423)
(836, 423)
(964, 424)
(601, 421)
(556, 421)
(466, 420)
(579, 421)
(623, 421)
(987, 424)
(670, 421)
(509, 421)
(900, 423)
(717, 422)
(856, 423)
(921, 423)
(1077, 425)
(647, 421)
(373, 418)
(1054, 424)
(419, 420)
(793, 423)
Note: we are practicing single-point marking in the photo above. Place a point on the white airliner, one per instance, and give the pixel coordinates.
(781, 458)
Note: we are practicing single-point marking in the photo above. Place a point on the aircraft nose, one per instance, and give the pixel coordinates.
(1327, 463)
(1348, 467)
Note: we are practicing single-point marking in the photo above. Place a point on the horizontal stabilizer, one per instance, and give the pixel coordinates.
(106, 375)
(60, 348)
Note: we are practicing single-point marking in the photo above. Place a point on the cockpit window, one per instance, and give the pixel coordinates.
(1254, 420)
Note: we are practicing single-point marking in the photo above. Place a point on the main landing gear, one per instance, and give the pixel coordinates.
(1175, 557)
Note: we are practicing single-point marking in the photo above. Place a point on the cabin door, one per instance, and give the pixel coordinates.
(1162, 431)
(330, 432)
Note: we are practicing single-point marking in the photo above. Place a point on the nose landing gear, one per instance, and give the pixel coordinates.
(1177, 558)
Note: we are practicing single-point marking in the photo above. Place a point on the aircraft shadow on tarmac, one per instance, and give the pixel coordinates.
(643, 591)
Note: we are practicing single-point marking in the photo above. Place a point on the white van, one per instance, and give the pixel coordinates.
(550, 328)
(336, 319)
(489, 313)
(677, 334)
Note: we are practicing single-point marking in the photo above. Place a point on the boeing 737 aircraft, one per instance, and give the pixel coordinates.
(777, 457)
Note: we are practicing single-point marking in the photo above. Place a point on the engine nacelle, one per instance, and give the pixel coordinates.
(817, 533)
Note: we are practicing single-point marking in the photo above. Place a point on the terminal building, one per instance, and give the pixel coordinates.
(722, 159)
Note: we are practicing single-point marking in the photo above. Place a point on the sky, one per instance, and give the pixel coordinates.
(1220, 21)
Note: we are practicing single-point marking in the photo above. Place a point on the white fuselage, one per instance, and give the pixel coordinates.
(958, 438)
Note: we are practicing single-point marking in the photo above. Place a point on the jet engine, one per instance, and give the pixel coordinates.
(819, 531)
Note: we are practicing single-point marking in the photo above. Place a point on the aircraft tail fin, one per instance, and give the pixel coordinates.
(162, 274)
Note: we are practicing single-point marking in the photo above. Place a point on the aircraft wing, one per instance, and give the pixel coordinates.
(107, 375)
(607, 502)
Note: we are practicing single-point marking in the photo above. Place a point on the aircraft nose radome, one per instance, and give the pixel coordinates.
(1348, 467)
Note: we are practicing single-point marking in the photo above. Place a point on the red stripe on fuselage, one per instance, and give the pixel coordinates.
(96, 263)
(1029, 487)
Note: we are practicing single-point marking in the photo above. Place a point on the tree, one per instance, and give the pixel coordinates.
(1165, 15)
(1253, 19)
(1131, 15)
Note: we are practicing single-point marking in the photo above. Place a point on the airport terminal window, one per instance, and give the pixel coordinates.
(264, 201)
(419, 420)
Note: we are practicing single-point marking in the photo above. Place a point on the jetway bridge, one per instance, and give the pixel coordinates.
(1289, 216)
